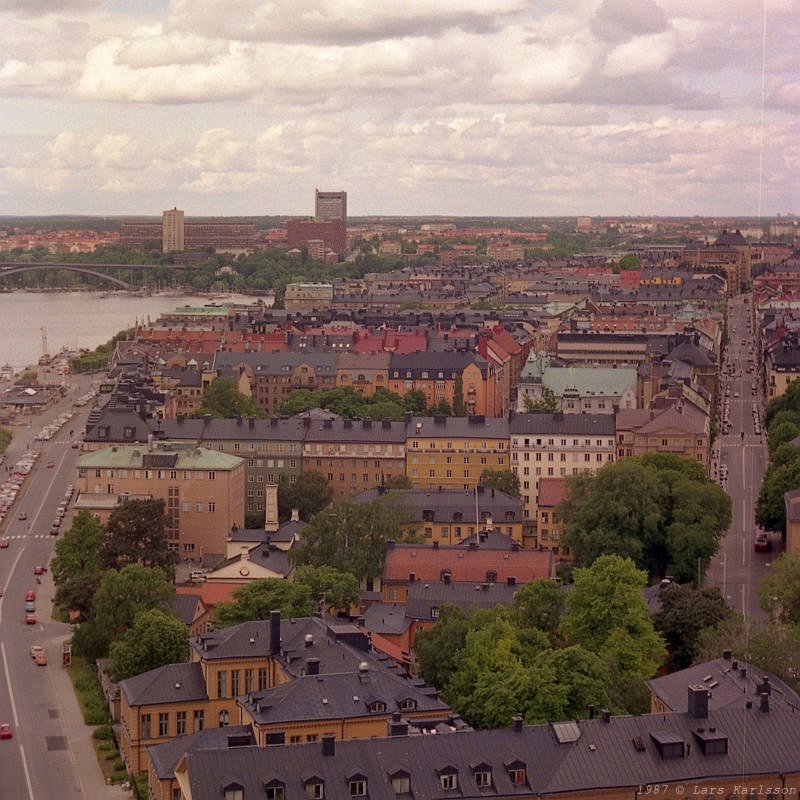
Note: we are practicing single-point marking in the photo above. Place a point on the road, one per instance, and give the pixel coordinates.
(737, 568)
(40, 761)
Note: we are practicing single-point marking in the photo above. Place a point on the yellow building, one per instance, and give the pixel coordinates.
(453, 452)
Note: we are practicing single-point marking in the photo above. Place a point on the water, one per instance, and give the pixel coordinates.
(76, 319)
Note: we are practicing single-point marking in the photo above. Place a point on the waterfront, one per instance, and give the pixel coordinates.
(77, 319)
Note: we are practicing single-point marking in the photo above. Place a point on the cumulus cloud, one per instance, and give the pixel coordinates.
(618, 20)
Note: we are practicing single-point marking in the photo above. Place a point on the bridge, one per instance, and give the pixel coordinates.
(12, 267)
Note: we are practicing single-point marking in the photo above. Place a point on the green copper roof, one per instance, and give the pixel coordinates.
(162, 455)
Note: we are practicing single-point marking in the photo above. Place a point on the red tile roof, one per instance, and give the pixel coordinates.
(551, 491)
(427, 564)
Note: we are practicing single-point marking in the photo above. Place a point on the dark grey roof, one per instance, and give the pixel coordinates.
(185, 605)
(165, 757)
(729, 680)
(173, 683)
(349, 430)
(489, 540)
(445, 362)
(276, 428)
(423, 597)
(267, 556)
(382, 618)
(568, 424)
(446, 504)
(247, 640)
(477, 426)
(338, 696)
(116, 423)
(691, 354)
(591, 755)
(277, 363)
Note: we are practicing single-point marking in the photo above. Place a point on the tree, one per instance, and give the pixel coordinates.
(121, 595)
(539, 605)
(504, 480)
(782, 433)
(770, 508)
(5, 439)
(685, 613)
(329, 586)
(779, 590)
(136, 533)
(438, 649)
(352, 536)
(223, 400)
(607, 614)
(658, 509)
(546, 404)
(154, 640)
(256, 599)
(310, 493)
(415, 401)
(76, 565)
(459, 406)
(397, 482)
(441, 409)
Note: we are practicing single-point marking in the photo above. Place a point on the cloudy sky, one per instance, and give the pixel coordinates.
(486, 107)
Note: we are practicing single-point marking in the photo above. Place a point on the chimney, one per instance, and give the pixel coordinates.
(328, 744)
(727, 654)
(605, 715)
(295, 515)
(435, 544)
(274, 633)
(312, 666)
(309, 640)
(697, 704)
(591, 710)
(397, 726)
(251, 421)
(764, 703)
(517, 720)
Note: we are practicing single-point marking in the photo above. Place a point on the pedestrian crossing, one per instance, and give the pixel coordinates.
(12, 536)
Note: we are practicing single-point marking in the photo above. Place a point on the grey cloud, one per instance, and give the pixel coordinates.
(39, 8)
(619, 20)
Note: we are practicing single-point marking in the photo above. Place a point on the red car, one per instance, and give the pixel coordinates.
(762, 543)
(38, 570)
(4, 542)
(30, 619)
(30, 596)
(5, 731)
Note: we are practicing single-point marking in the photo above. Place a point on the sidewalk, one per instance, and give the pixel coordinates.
(79, 735)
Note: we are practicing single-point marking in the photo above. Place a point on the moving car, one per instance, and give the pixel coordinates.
(41, 659)
(762, 543)
(30, 606)
(30, 619)
(38, 570)
(36, 649)
(51, 465)
(5, 731)
(22, 516)
(30, 595)
(4, 542)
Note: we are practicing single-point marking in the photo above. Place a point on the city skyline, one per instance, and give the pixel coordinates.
(475, 107)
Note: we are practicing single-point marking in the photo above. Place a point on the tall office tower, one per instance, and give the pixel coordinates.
(173, 231)
(330, 206)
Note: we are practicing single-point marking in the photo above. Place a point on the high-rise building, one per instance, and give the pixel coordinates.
(173, 231)
(330, 206)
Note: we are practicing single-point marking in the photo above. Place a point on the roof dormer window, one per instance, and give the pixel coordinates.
(275, 790)
(233, 791)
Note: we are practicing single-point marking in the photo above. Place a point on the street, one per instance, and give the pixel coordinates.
(743, 454)
(47, 756)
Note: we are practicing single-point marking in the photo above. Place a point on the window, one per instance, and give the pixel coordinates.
(262, 678)
(212, 476)
(224, 718)
(222, 683)
(274, 792)
(378, 706)
(408, 704)
(435, 612)
(517, 775)
(449, 780)
(180, 723)
(315, 790)
(491, 576)
(248, 681)
(358, 787)
(199, 720)
(163, 724)
(233, 791)
(401, 784)
(483, 778)
(212, 507)
(234, 682)
(145, 727)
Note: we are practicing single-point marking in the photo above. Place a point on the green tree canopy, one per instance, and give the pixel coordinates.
(77, 565)
(223, 400)
(256, 599)
(136, 533)
(685, 613)
(782, 433)
(352, 536)
(309, 494)
(504, 480)
(155, 639)
(539, 605)
(547, 404)
(778, 479)
(5, 439)
(329, 586)
(607, 614)
(779, 589)
(658, 509)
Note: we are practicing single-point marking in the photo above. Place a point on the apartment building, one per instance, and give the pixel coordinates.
(557, 446)
(453, 452)
(203, 490)
(365, 372)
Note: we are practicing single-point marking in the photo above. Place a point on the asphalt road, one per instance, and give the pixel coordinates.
(737, 568)
(41, 760)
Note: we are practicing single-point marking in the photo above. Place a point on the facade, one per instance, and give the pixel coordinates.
(174, 234)
(330, 206)
(549, 526)
(556, 446)
(355, 455)
(173, 231)
(453, 452)
(365, 372)
(332, 232)
(307, 297)
(203, 490)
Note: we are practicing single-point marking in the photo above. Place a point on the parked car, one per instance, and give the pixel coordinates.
(41, 659)
(38, 570)
(30, 606)
(5, 542)
(30, 595)
(36, 649)
(30, 619)
(762, 543)
(22, 516)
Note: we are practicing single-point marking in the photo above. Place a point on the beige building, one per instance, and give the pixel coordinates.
(173, 231)
(306, 297)
(203, 490)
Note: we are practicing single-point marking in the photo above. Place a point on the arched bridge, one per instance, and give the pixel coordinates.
(11, 267)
